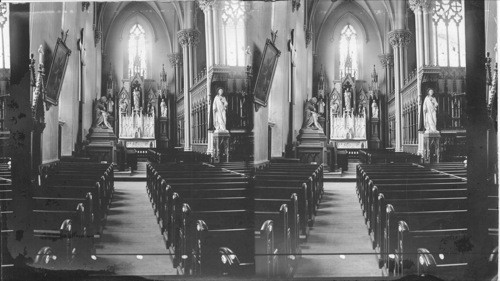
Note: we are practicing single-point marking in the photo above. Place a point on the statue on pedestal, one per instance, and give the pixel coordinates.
(347, 100)
(321, 106)
(311, 116)
(102, 114)
(164, 108)
(374, 110)
(219, 107)
(430, 107)
(137, 96)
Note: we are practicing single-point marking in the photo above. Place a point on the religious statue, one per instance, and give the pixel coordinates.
(335, 108)
(137, 96)
(164, 108)
(219, 107)
(123, 106)
(347, 99)
(311, 116)
(321, 106)
(151, 109)
(374, 109)
(430, 107)
(361, 110)
(111, 104)
(102, 114)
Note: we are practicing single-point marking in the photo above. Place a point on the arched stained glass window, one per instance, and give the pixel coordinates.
(348, 50)
(233, 17)
(137, 51)
(450, 32)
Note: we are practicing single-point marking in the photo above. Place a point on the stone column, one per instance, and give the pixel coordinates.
(421, 9)
(182, 36)
(175, 60)
(399, 40)
(477, 125)
(207, 7)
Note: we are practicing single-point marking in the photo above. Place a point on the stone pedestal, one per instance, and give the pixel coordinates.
(164, 132)
(431, 147)
(102, 146)
(220, 146)
(374, 142)
(311, 146)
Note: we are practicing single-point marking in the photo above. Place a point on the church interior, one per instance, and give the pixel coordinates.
(280, 139)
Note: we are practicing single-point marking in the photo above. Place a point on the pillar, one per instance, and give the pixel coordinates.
(208, 10)
(476, 138)
(175, 60)
(422, 9)
(188, 38)
(399, 40)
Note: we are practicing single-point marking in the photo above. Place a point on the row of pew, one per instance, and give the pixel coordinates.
(286, 197)
(234, 218)
(417, 217)
(206, 215)
(70, 202)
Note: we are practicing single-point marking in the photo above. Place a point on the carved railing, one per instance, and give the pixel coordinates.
(409, 100)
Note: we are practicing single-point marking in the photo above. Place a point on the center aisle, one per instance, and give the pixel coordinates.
(131, 243)
(340, 237)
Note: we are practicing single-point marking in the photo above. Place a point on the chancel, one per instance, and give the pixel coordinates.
(249, 139)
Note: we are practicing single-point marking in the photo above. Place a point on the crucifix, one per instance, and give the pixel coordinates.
(81, 82)
(291, 87)
(81, 48)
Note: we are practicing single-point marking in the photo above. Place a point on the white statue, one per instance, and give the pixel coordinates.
(137, 95)
(111, 104)
(430, 110)
(374, 109)
(151, 109)
(321, 106)
(347, 99)
(164, 109)
(219, 107)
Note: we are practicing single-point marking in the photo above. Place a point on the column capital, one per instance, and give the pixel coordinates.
(205, 5)
(188, 36)
(309, 37)
(425, 5)
(386, 60)
(399, 37)
(175, 59)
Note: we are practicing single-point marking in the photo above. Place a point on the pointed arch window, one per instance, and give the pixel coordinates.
(137, 51)
(449, 32)
(348, 50)
(233, 17)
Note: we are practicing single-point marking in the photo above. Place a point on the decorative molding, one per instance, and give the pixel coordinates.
(400, 37)
(189, 36)
(295, 5)
(85, 6)
(309, 36)
(38, 113)
(425, 5)
(386, 60)
(175, 59)
(97, 36)
(205, 5)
